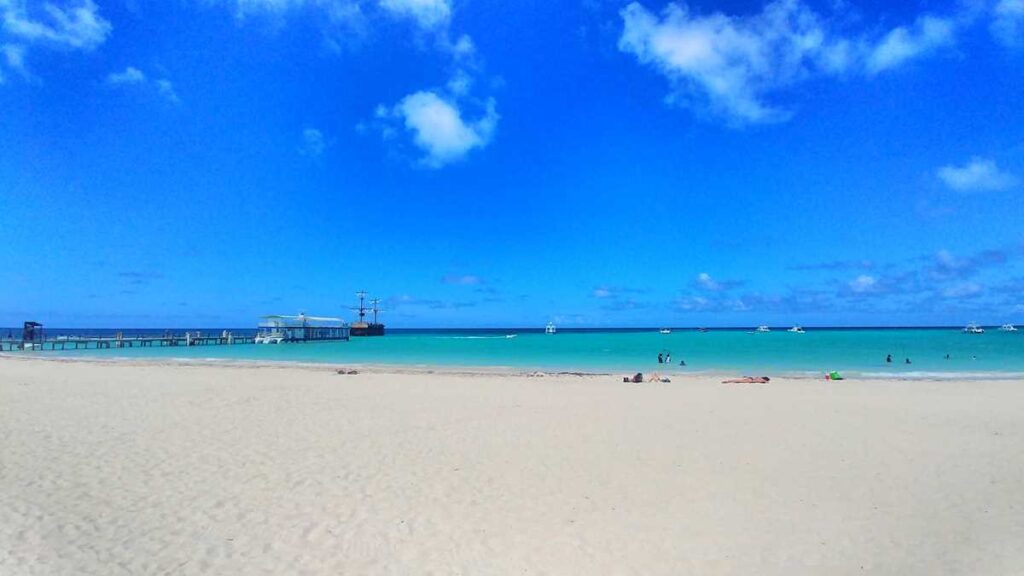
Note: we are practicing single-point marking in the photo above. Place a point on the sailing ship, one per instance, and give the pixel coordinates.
(362, 327)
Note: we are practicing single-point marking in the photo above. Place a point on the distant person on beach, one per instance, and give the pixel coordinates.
(661, 359)
(668, 358)
(888, 358)
(748, 380)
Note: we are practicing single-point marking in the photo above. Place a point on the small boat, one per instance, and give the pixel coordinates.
(550, 328)
(272, 337)
(510, 336)
(1007, 328)
(973, 328)
(796, 330)
(702, 329)
(664, 331)
(763, 329)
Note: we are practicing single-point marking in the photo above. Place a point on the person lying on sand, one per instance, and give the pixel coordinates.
(655, 377)
(748, 380)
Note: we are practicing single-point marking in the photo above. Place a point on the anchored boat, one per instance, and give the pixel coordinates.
(973, 328)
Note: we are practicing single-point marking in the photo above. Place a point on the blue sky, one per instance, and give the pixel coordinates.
(202, 162)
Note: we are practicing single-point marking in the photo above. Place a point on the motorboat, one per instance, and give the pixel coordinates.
(510, 336)
(1007, 328)
(763, 329)
(973, 328)
(550, 328)
(702, 329)
(271, 337)
(664, 331)
(796, 330)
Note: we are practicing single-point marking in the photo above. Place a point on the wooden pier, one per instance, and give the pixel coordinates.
(98, 343)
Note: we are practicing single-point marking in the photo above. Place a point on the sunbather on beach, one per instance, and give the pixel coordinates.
(748, 380)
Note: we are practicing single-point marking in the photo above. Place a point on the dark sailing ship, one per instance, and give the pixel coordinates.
(362, 327)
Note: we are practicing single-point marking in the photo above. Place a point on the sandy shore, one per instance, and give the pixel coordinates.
(176, 469)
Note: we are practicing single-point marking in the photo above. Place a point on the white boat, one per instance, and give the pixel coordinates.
(510, 336)
(270, 337)
(664, 331)
(973, 328)
(763, 329)
(550, 328)
(796, 330)
(1007, 328)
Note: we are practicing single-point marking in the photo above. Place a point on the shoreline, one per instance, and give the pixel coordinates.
(449, 369)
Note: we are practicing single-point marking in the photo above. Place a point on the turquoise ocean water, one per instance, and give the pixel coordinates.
(852, 351)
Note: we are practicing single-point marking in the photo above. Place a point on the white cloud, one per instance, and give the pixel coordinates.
(978, 175)
(77, 25)
(721, 62)
(466, 280)
(14, 56)
(903, 44)
(438, 127)
(313, 143)
(70, 25)
(602, 293)
(130, 75)
(705, 281)
(1008, 22)
(864, 284)
(166, 89)
(728, 65)
(428, 14)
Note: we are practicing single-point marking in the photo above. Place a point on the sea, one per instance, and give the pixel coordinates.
(932, 352)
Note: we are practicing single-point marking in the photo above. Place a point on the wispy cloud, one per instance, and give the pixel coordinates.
(313, 143)
(133, 77)
(462, 280)
(963, 290)
(903, 44)
(835, 265)
(1008, 22)
(864, 284)
(129, 76)
(978, 175)
(59, 26)
(705, 282)
(73, 25)
(427, 14)
(731, 65)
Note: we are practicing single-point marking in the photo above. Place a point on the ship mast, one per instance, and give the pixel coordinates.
(362, 307)
(375, 302)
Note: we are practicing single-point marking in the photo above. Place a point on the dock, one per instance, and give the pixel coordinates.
(100, 343)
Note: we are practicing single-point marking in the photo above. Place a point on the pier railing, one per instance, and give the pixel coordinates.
(96, 343)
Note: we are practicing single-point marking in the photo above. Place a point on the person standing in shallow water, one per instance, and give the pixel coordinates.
(888, 358)
(661, 359)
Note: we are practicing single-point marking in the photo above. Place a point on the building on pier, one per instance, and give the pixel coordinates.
(277, 329)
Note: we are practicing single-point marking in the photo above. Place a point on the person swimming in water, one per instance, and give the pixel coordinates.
(907, 361)
(888, 358)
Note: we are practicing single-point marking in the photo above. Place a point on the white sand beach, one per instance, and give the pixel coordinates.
(135, 468)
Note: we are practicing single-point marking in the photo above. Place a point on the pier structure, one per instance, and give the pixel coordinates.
(107, 342)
